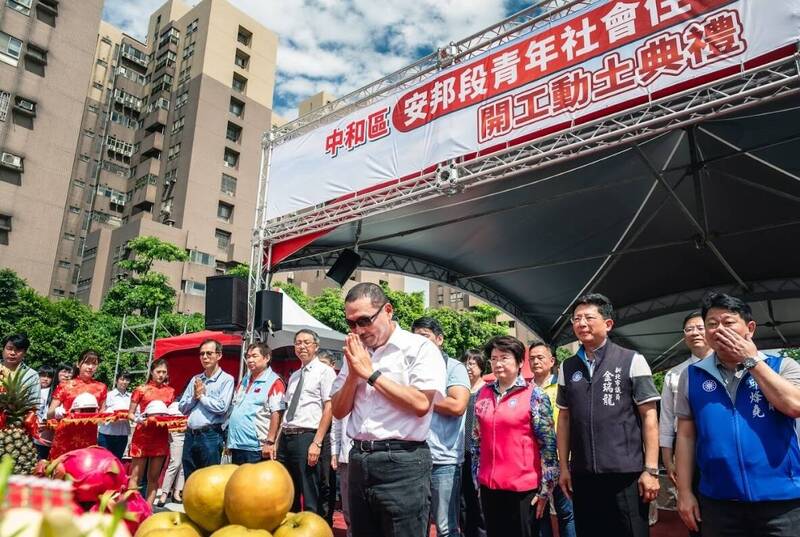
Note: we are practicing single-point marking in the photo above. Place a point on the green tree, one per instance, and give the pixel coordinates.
(408, 307)
(242, 270)
(328, 308)
(467, 329)
(295, 293)
(144, 289)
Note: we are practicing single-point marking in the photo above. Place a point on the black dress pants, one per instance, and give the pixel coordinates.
(609, 505)
(508, 513)
(293, 454)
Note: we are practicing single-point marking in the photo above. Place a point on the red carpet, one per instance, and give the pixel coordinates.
(669, 525)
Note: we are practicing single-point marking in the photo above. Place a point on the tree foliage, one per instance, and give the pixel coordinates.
(241, 270)
(467, 329)
(144, 289)
(328, 308)
(295, 293)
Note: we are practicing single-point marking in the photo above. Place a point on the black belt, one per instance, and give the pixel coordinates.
(367, 446)
(291, 431)
(206, 428)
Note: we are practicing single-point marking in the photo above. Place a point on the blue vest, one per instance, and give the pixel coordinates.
(746, 450)
(242, 426)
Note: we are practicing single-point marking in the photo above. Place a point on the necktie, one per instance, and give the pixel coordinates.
(295, 397)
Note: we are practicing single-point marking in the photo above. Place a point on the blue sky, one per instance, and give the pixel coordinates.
(341, 45)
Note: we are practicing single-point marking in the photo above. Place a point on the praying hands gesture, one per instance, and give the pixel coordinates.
(358, 359)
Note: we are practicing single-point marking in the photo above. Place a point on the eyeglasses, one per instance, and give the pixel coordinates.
(588, 318)
(700, 329)
(208, 353)
(364, 322)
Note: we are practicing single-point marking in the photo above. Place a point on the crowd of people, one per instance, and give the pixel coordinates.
(415, 437)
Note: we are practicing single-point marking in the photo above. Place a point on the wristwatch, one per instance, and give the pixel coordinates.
(652, 471)
(373, 377)
(750, 363)
(270, 442)
(318, 444)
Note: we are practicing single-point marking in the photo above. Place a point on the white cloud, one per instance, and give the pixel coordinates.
(341, 45)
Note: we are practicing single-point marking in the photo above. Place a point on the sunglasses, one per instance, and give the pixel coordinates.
(366, 321)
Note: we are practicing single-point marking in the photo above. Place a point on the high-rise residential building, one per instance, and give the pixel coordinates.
(177, 149)
(47, 49)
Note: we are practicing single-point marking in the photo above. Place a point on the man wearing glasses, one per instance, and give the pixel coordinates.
(205, 402)
(607, 414)
(388, 385)
(694, 336)
(304, 432)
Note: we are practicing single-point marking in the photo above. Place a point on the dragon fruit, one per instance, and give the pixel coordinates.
(93, 472)
(136, 507)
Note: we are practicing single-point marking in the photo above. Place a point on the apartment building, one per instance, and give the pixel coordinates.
(180, 148)
(46, 54)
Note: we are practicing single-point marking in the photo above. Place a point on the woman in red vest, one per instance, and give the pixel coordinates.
(514, 444)
(150, 441)
(77, 433)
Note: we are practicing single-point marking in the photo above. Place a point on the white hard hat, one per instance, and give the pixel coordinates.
(156, 407)
(84, 400)
(173, 410)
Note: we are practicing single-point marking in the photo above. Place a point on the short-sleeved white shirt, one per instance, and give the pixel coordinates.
(410, 360)
(317, 381)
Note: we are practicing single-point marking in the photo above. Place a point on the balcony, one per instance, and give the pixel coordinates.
(152, 145)
(151, 166)
(144, 197)
(156, 120)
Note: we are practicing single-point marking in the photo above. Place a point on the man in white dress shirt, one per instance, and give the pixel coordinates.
(307, 418)
(388, 385)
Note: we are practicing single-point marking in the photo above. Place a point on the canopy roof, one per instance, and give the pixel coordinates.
(652, 201)
(609, 223)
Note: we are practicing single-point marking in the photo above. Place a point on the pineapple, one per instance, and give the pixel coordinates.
(17, 400)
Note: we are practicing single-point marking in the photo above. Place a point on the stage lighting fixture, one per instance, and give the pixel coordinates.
(344, 267)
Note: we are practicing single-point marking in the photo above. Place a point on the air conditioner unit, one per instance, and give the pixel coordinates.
(25, 104)
(11, 160)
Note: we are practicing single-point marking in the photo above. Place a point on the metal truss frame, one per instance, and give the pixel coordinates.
(317, 257)
(737, 92)
(543, 13)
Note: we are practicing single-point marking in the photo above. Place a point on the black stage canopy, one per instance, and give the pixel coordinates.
(653, 225)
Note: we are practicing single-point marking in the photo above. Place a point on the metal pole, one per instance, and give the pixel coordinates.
(152, 341)
(119, 347)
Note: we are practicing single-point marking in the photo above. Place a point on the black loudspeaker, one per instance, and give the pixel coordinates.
(269, 308)
(344, 267)
(226, 303)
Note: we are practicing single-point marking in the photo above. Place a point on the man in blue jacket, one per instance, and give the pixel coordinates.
(737, 413)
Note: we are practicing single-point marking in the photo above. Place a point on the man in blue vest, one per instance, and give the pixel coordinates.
(737, 412)
(607, 428)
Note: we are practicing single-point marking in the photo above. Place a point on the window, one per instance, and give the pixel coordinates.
(35, 60)
(92, 108)
(78, 183)
(177, 125)
(89, 253)
(74, 210)
(84, 284)
(236, 107)
(47, 11)
(242, 60)
(244, 36)
(23, 6)
(239, 83)
(174, 151)
(64, 264)
(5, 228)
(223, 239)
(58, 292)
(133, 54)
(230, 158)
(83, 157)
(184, 75)
(192, 27)
(10, 49)
(26, 106)
(88, 133)
(194, 288)
(225, 212)
(233, 132)
(201, 258)
(113, 145)
(188, 51)
(5, 100)
(181, 99)
(228, 185)
(69, 236)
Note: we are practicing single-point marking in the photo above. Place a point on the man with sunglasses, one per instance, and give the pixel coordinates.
(304, 432)
(388, 385)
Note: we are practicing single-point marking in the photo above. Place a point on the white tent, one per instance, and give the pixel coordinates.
(296, 318)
